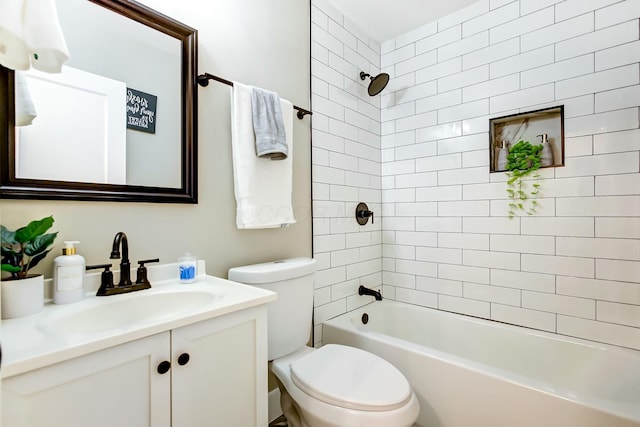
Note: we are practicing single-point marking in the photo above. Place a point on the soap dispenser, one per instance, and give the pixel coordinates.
(546, 154)
(68, 275)
(501, 155)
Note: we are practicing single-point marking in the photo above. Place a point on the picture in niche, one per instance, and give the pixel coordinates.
(141, 111)
(539, 127)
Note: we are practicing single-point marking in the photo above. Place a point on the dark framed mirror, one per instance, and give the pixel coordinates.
(118, 124)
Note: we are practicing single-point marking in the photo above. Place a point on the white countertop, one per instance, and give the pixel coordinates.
(31, 342)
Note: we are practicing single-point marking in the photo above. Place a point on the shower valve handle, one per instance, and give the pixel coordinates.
(366, 214)
(363, 213)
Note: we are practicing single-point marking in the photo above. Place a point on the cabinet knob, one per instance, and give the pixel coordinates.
(164, 367)
(183, 359)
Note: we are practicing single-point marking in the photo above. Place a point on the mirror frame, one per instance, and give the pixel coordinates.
(15, 188)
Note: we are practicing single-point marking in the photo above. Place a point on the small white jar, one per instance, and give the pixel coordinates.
(187, 268)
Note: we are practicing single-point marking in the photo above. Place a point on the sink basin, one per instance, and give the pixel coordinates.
(127, 310)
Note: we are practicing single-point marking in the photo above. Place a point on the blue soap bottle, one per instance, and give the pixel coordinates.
(187, 267)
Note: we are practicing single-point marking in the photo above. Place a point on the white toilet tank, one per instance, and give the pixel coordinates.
(289, 316)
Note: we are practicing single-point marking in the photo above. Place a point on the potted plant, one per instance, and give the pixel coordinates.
(22, 250)
(523, 161)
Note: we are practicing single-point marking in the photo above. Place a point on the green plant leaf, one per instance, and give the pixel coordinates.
(10, 268)
(35, 260)
(33, 229)
(24, 248)
(8, 237)
(8, 250)
(40, 244)
(523, 162)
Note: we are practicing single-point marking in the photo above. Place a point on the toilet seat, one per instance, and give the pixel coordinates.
(351, 378)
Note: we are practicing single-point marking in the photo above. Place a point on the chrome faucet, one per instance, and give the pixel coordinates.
(125, 266)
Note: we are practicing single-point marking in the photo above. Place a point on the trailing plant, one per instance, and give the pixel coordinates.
(24, 248)
(523, 161)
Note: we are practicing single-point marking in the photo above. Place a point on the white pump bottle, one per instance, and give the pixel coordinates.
(546, 155)
(68, 275)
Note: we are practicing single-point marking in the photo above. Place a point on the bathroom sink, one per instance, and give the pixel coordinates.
(125, 311)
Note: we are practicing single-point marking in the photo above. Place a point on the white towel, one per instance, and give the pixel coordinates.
(30, 34)
(25, 110)
(263, 188)
(44, 36)
(14, 52)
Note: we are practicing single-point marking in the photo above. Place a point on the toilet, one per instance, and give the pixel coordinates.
(334, 385)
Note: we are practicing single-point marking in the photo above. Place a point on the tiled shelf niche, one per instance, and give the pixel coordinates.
(527, 126)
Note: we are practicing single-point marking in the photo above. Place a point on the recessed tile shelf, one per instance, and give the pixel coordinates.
(506, 131)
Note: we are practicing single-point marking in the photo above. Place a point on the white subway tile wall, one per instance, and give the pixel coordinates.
(347, 148)
(442, 237)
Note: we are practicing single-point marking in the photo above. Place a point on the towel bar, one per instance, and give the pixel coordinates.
(203, 80)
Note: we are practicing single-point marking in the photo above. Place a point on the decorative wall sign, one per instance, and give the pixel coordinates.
(540, 127)
(141, 111)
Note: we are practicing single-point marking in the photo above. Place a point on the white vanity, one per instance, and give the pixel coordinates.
(179, 355)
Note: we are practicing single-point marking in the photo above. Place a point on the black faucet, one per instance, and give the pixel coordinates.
(125, 267)
(125, 285)
(366, 291)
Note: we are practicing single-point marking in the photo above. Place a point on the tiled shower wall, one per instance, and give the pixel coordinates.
(346, 163)
(447, 242)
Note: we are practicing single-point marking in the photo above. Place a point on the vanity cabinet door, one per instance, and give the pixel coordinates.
(119, 386)
(219, 371)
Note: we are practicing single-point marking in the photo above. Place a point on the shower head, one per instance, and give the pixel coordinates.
(377, 84)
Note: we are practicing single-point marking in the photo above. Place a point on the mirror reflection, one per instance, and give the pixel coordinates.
(119, 114)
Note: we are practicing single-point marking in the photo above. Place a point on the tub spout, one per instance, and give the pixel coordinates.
(366, 291)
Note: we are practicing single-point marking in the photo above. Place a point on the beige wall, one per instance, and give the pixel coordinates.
(260, 43)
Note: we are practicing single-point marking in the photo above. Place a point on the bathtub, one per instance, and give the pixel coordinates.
(474, 372)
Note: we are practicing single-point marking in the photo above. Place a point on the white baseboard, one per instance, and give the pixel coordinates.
(274, 404)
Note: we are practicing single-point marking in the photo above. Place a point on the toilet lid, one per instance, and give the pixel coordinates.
(351, 378)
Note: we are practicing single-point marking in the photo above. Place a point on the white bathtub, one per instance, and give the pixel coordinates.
(473, 372)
